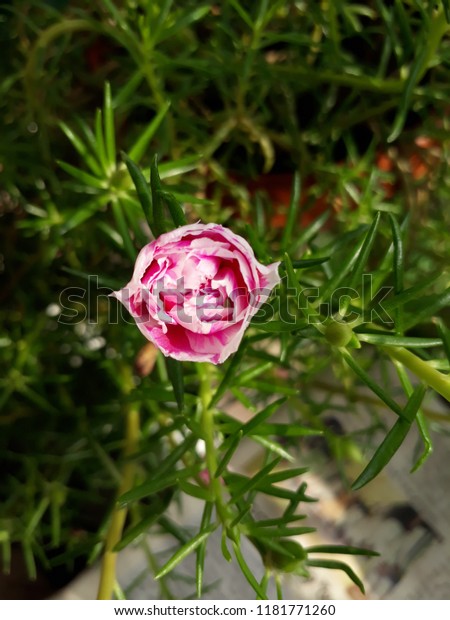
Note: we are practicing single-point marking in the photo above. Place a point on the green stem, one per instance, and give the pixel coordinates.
(114, 533)
(208, 431)
(435, 379)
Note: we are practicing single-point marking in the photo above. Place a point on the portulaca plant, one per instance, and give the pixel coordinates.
(229, 312)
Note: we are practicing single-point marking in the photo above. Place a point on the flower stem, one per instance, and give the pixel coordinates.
(435, 379)
(207, 424)
(114, 534)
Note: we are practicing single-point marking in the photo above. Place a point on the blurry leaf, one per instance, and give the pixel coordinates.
(142, 189)
(308, 263)
(157, 484)
(333, 564)
(252, 373)
(246, 571)
(427, 307)
(156, 508)
(393, 440)
(185, 550)
(229, 376)
(253, 482)
(203, 493)
(84, 177)
(371, 383)
(201, 550)
(159, 225)
(259, 418)
(274, 447)
(138, 149)
(82, 149)
(235, 441)
(399, 341)
(397, 269)
(411, 294)
(363, 256)
(341, 549)
(175, 208)
(110, 136)
(100, 140)
(175, 373)
(123, 230)
(310, 232)
(292, 217)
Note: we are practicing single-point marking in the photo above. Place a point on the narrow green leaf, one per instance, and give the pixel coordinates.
(259, 247)
(84, 177)
(274, 447)
(397, 269)
(363, 255)
(287, 430)
(83, 213)
(100, 141)
(412, 293)
(183, 22)
(195, 491)
(444, 333)
(82, 149)
(142, 189)
(345, 265)
(294, 206)
(277, 327)
(235, 441)
(175, 208)
(157, 508)
(243, 512)
(252, 373)
(308, 263)
(123, 229)
(272, 388)
(446, 5)
(275, 522)
(230, 375)
(371, 383)
(179, 166)
(224, 548)
(157, 484)
(201, 550)
(341, 549)
(426, 439)
(159, 224)
(310, 232)
(393, 440)
(110, 135)
(260, 417)
(399, 341)
(426, 308)
(184, 551)
(254, 481)
(286, 474)
(279, 531)
(138, 149)
(242, 13)
(175, 373)
(420, 418)
(175, 454)
(248, 573)
(333, 564)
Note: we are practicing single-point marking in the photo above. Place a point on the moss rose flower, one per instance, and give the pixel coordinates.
(194, 291)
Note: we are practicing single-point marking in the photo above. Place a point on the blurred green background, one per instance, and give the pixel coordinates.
(352, 95)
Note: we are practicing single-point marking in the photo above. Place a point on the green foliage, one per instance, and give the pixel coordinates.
(202, 101)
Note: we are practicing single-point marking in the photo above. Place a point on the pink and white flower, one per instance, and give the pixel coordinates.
(194, 291)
